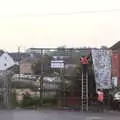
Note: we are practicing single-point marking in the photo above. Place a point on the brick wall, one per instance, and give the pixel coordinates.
(116, 65)
(26, 68)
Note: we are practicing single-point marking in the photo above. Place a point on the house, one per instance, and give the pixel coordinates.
(26, 65)
(36, 50)
(116, 61)
(17, 57)
(25, 60)
(6, 61)
(33, 50)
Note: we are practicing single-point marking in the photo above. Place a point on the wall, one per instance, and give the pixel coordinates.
(25, 68)
(6, 61)
(116, 65)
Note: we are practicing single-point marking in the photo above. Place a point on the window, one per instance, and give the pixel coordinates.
(5, 64)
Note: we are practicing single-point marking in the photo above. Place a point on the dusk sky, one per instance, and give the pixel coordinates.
(53, 23)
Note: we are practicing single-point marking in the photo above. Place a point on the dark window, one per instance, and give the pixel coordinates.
(5, 64)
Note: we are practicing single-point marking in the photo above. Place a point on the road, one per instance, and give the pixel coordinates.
(55, 115)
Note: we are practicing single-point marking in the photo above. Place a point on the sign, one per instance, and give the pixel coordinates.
(114, 81)
(57, 64)
(102, 68)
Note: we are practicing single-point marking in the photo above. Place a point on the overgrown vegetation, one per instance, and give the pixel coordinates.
(14, 102)
(34, 102)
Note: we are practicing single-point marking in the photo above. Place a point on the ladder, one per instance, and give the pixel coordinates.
(84, 94)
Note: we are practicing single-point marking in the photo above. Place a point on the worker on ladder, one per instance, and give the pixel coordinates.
(84, 94)
(84, 61)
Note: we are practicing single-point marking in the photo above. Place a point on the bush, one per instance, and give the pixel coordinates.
(27, 100)
(48, 100)
(14, 102)
(35, 102)
(30, 101)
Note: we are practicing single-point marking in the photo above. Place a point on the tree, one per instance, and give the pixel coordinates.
(76, 80)
(37, 67)
(42, 63)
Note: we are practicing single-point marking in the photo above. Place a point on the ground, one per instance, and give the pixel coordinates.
(56, 115)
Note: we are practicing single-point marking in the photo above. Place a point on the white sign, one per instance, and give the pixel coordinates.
(57, 64)
(114, 81)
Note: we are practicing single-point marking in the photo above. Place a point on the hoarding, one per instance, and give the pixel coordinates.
(57, 64)
(102, 68)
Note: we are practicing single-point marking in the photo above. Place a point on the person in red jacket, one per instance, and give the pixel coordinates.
(101, 97)
(84, 62)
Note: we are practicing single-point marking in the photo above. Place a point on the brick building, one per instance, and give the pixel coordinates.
(116, 61)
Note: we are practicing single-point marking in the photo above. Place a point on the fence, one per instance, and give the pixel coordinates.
(59, 77)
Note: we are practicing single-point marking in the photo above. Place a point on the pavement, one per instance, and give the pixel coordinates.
(56, 115)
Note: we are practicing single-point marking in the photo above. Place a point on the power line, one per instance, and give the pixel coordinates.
(72, 13)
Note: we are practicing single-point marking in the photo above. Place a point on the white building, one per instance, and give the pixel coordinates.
(36, 50)
(6, 61)
(33, 50)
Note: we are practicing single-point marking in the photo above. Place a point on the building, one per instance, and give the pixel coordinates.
(116, 61)
(26, 65)
(33, 50)
(36, 50)
(6, 61)
(25, 60)
(17, 57)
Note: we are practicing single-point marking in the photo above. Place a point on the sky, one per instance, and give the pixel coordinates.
(53, 23)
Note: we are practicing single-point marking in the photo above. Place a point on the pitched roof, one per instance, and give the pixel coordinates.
(18, 56)
(1, 52)
(116, 46)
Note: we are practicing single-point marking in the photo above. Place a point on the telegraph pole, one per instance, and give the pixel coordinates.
(19, 61)
(41, 78)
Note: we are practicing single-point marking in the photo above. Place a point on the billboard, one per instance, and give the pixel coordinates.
(57, 64)
(102, 68)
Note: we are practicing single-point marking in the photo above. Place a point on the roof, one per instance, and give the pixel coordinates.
(1, 52)
(16, 55)
(34, 49)
(72, 52)
(29, 60)
(25, 56)
(116, 46)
